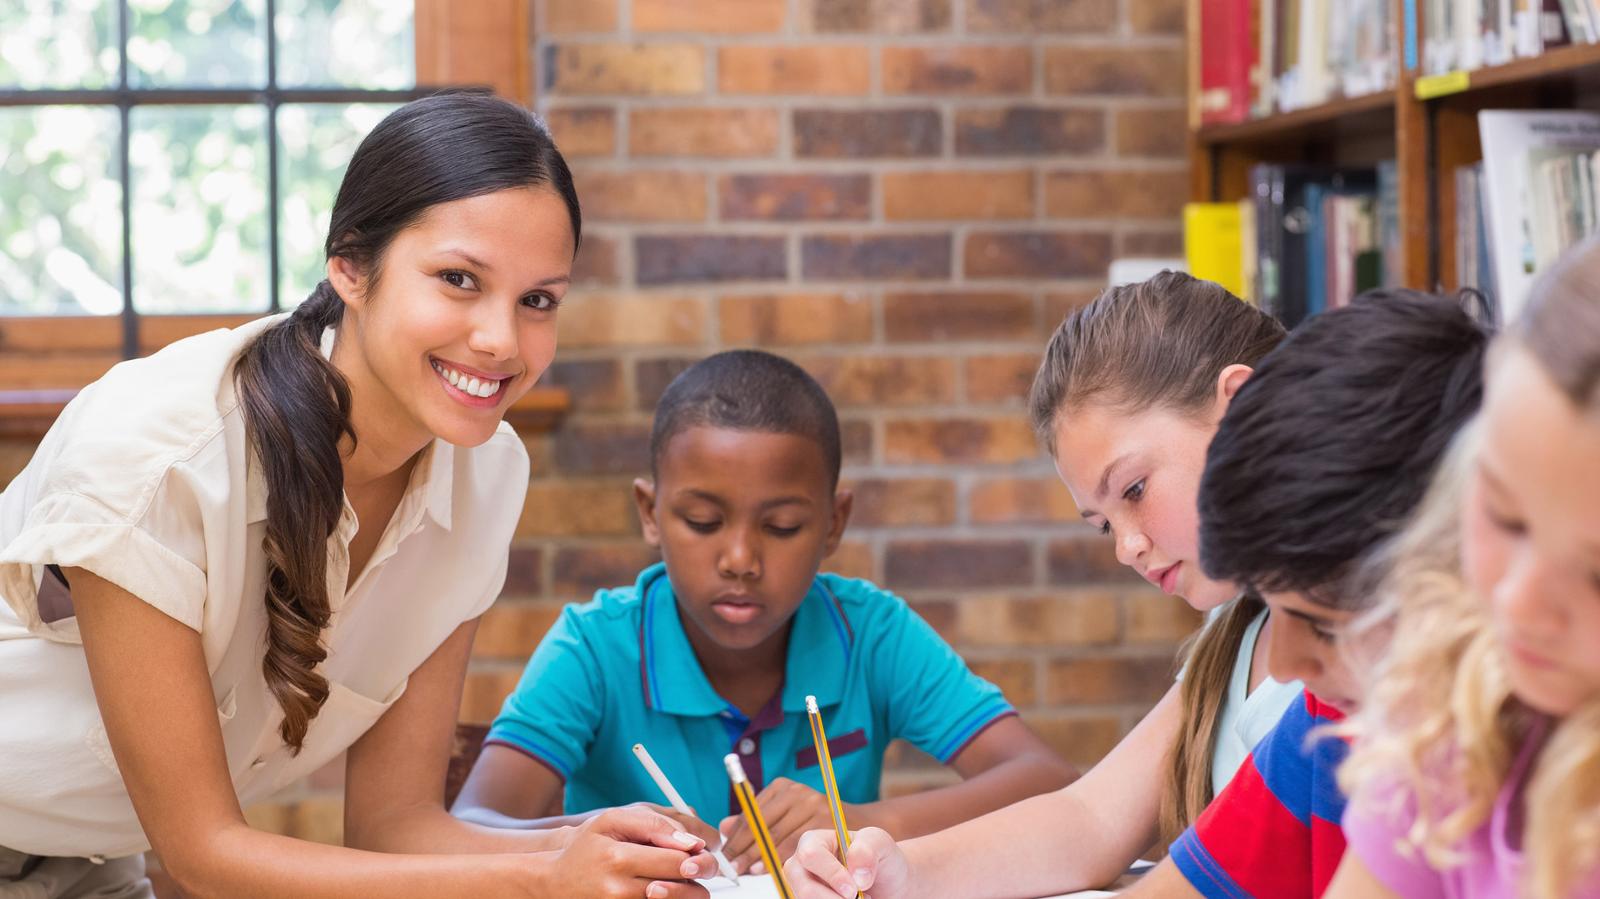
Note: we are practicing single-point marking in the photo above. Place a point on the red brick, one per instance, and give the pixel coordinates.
(682, 259)
(632, 320)
(1114, 71)
(1029, 131)
(858, 440)
(597, 262)
(877, 380)
(1037, 254)
(787, 319)
(573, 16)
(1126, 193)
(913, 564)
(1151, 132)
(896, 502)
(618, 449)
(715, 132)
(941, 614)
(1075, 618)
(998, 441)
(852, 559)
(709, 16)
(1088, 559)
(876, 16)
(524, 572)
(512, 630)
(595, 384)
(968, 315)
(1114, 680)
(867, 133)
(1021, 501)
(583, 130)
(875, 257)
(642, 196)
(652, 69)
(651, 377)
(1157, 16)
(1031, 17)
(1059, 304)
(788, 198)
(837, 70)
(581, 570)
(566, 508)
(1002, 379)
(1016, 678)
(1166, 243)
(1080, 739)
(961, 195)
(1154, 617)
(958, 71)
(485, 691)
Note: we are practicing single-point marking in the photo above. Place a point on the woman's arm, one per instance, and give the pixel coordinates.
(1082, 836)
(154, 693)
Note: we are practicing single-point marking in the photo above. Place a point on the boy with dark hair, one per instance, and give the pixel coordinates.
(715, 649)
(1322, 456)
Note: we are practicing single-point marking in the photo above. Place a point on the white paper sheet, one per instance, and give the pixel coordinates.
(761, 888)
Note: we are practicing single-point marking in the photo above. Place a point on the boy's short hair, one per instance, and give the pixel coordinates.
(1331, 443)
(748, 390)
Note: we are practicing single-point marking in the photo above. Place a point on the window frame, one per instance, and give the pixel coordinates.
(486, 43)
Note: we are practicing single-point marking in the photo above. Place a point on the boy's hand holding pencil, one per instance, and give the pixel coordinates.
(791, 809)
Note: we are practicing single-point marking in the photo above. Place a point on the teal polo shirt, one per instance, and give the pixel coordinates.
(619, 670)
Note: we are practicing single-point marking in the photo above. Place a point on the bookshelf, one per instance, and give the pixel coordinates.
(1427, 124)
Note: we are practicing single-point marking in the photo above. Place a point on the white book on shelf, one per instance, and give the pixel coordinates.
(1514, 141)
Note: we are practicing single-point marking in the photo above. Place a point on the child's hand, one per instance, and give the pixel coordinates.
(876, 864)
(790, 809)
(690, 823)
(627, 853)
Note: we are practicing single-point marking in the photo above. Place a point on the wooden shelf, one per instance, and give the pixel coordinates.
(29, 413)
(1289, 125)
(1576, 62)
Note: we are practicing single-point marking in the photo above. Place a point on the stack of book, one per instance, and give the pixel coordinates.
(1470, 34)
(1310, 238)
(1259, 57)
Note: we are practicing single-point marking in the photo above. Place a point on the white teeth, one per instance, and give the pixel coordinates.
(468, 385)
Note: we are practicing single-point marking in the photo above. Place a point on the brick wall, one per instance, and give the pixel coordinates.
(905, 196)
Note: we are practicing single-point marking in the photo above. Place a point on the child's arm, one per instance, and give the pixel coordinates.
(151, 683)
(509, 790)
(1354, 880)
(1082, 836)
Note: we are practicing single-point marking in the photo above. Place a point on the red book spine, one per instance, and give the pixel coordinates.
(1227, 55)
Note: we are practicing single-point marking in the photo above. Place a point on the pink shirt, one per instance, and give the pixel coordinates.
(1491, 865)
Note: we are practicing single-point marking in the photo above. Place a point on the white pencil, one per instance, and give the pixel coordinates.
(676, 801)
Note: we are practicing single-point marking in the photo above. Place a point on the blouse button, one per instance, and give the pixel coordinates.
(747, 746)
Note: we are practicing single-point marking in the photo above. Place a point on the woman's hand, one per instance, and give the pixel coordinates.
(627, 853)
(790, 809)
(689, 822)
(876, 863)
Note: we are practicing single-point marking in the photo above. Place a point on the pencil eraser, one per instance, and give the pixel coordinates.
(735, 769)
(811, 705)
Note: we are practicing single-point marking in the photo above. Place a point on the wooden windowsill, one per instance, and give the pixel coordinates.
(29, 413)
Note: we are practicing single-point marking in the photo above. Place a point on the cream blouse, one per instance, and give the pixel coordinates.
(146, 480)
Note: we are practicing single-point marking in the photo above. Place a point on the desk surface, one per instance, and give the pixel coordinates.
(762, 888)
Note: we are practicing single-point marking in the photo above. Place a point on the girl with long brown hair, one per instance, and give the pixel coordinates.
(1127, 398)
(257, 549)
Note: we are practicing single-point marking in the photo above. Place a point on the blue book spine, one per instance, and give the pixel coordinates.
(1316, 251)
(1411, 35)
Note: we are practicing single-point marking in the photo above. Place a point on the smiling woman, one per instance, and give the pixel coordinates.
(272, 540)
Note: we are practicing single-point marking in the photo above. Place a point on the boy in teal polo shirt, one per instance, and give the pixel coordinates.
(714, 650)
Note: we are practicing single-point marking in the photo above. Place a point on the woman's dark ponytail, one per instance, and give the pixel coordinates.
(297, 407)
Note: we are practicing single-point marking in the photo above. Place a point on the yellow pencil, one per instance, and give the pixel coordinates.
(758, 825)
(830, 786)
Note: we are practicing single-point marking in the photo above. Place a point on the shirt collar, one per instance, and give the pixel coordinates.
(674, 682)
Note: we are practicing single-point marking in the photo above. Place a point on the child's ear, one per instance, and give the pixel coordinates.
(644, 498)
(843, 502)
(1229, 380)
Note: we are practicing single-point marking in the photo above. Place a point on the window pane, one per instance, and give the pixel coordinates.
(58, 43)
(315, 143)
(346, 43)
(197, 43)
(199, 208)
(60, 211)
